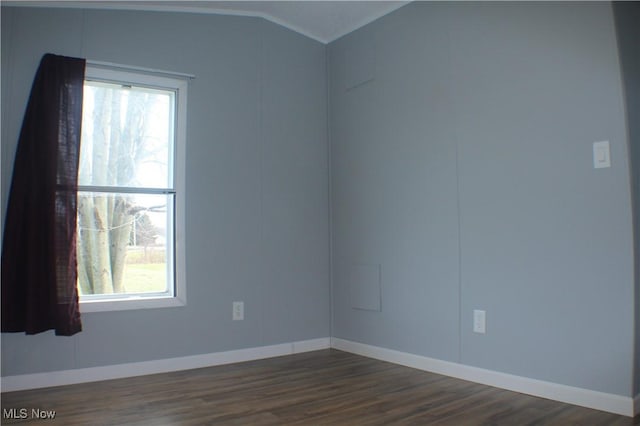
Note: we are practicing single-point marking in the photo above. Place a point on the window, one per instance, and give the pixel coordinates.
(130, 191)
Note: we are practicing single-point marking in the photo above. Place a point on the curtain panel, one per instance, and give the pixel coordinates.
(39, 267)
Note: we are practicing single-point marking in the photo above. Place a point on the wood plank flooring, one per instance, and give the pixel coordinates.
(317, 388)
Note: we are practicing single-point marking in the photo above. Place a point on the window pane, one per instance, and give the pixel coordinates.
(127, 136)
(125, 243)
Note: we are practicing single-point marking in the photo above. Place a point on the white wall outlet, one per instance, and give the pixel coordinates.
(238, 311)
(601, 155)
(479, 321)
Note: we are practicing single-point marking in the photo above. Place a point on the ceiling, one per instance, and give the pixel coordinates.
(324, 21)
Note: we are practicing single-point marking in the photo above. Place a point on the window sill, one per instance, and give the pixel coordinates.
(130, 304)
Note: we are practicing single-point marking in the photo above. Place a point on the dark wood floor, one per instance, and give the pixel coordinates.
(317, 388)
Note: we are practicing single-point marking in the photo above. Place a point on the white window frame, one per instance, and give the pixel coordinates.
(178, 84)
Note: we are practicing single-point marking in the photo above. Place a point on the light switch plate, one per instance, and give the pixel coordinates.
(479, 321)
(601, 155)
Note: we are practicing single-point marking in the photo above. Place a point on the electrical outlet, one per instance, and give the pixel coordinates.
(479, 321)
(238, 311)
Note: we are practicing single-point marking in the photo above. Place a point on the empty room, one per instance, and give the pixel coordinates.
(320, 213)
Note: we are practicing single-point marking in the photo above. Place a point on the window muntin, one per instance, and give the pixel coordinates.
(131, 178)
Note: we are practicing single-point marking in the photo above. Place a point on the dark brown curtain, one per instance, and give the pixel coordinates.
(39, 267)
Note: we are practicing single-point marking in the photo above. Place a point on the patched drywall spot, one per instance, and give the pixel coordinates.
(366, 289)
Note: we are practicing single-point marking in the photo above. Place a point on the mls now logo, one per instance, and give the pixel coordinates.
(23, 413)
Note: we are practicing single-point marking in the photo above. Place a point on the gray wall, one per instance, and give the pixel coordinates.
(627, 15)
(462, 178)
(257, 171)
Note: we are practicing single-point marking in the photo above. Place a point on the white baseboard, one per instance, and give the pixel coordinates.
(577, 396)
(93, 374)
(636, 405)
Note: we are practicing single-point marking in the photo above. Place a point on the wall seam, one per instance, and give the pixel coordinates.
(261, 66)
(456, 141)
(329, 187)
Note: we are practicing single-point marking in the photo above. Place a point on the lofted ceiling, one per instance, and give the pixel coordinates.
(324, 21)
